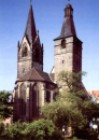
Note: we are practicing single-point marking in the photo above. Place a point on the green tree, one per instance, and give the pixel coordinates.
(2, 130)
(42, 130)
(15, 131)
(5, 108)
(72, 107)
(71, 80)
(37, 130)
(65, 112)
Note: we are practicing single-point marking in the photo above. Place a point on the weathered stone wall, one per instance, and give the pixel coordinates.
(33, 57)
(63, 56)
(67, 57)
(29, 98)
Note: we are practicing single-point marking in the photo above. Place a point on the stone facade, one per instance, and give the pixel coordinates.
(33, 86)
(29, 98)
(67, 47)
(67, 57)
(29, 55)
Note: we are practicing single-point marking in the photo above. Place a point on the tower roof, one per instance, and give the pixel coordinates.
(68, 28)
(30, 31)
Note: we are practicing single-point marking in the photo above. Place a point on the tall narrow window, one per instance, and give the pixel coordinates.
(63, 43)
(48, 96)
(24, 52)
(23, 100)
(34, 101)
(37, 55)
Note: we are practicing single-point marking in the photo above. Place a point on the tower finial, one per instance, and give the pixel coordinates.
(30, 2)
(68, 1)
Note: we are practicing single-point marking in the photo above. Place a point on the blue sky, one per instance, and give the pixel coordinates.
(49, 18)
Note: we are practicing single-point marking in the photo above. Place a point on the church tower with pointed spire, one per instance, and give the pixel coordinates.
(33, 87)
(30, 50)
(68, 48)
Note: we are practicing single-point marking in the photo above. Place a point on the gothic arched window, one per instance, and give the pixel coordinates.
(24, 52)
(34, 101)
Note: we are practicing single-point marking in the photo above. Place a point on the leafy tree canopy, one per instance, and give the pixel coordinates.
(71, 80)
(72, 107)
(5, 108)
(37, 130)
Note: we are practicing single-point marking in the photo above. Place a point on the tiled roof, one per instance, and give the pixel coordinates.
(94, 94)
(68, 28)
(36, 75)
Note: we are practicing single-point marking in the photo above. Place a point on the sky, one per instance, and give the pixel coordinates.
(49, 18)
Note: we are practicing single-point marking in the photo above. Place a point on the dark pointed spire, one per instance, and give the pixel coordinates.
(30, 31)
(68, 28)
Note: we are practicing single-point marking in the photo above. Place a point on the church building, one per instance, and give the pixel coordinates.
(34, 87)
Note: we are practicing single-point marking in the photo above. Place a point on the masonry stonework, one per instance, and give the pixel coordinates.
(67, 47)
(34, 87)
